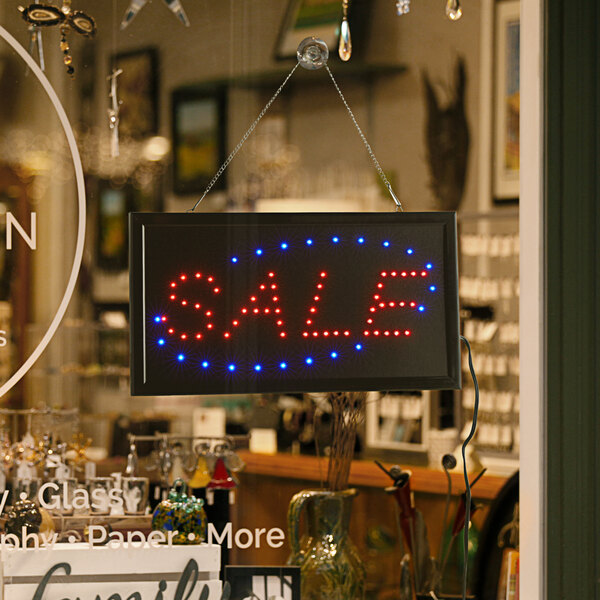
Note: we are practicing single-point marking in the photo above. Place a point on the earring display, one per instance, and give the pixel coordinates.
(48, 15)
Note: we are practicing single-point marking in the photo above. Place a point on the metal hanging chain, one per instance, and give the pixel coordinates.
(387, 184)
(252, 127)
(245, 137)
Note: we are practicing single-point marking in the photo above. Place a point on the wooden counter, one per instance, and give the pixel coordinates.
(365, 473)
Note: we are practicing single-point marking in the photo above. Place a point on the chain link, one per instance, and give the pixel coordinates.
(245, 137)
(387, 184)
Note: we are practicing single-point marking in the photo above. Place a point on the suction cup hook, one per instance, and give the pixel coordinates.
(312, 53)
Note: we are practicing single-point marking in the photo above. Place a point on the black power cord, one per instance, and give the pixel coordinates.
(466, 476)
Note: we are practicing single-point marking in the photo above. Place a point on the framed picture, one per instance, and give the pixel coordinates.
(263, 583)
(506, 109)
(138, 92)
(199, 134)
(114, 204)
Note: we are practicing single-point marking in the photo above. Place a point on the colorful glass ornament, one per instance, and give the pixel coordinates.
(48, 15)
(202, 476)
(135, 6)
(183, 514)
(345, 44)
(221, 480)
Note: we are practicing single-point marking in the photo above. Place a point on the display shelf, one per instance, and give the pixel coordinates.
(364, 473)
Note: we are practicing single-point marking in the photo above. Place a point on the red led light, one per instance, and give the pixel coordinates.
(172, 296)
(184, 336)
(346, 333)
(173, 284)
(323, 274)
(402, 303)
(271, 274)
(226, 334)
(376, 332)
(394, 273)
(382, 305)
(391, 304)
(403, 274)
(319, 286)
(336, 333)
(383, 274)
(279, 323)
(255, 311)
(244, 311)
(423, 273)
(183, 277)
(171, 331)
(313, 309)
(208, 313)
(277, 310)
(267, 311)
(315, 334)
(235, 323)
(326, 333)
(370, 321)
(386, 333)
(316, 298)
(308, 322)
(262, 286)
(163, 319)
(275, 298)
(380, 285)
(366, 332)
(372, 309)
(209, 326)
(273, 286)
(376, 297)
(196, 306)
(210, 279)
(217, 290)
(413, 304)
(304, 334)
(184, 303)
(406, 332)
(198, 336)
(198, 275)
(252, 298)
(282, 334)
(413, 273)
(396, 333)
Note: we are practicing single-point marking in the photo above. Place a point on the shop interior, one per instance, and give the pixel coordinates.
(156, 108)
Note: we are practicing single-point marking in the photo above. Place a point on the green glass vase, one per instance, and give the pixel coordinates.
(329, 563)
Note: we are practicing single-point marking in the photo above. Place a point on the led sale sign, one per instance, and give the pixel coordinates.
(245, 303)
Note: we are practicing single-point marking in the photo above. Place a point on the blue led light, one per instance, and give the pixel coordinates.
(234, 259)
(358, 346)
(181, 357)
(231, 367)
(259, 251)
(409, 251)
(161, 342)
(429, 266)
(432, 288)
(284, 246)
(283, 365)
(361, 240)
(421, 308)
(309, 242)
(157, 319)
(309, 361)
(335, 239)
(386, 244)
(257, 368)
(205, 364)
(334, 355)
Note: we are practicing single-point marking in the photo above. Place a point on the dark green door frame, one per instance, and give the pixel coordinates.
(572, 271)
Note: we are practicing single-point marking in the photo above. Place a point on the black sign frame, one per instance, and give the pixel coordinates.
(436, 228)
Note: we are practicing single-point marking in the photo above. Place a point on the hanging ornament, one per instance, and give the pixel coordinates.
(35, 40)
(345, 45)
(201, 477)
(135, 6)
(48, 15)
(402, 7)
(221, 480)
(453, 10)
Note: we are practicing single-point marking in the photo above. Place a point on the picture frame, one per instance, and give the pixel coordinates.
(138, 92)
(263, 583)
(199, 138)
(506, 103)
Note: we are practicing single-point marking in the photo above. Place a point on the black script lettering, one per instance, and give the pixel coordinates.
(162, 586)
(135, 596)
(189, 573)
(115, 597)
(39, 592)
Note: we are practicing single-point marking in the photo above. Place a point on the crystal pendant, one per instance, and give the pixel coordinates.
(345, 47)
(453, 10)
(312, 53)
(402, 7)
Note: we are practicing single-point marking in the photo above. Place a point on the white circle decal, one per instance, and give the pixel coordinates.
(81, 213)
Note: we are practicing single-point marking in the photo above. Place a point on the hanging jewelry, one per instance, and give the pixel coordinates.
(345, 45)
(48, 15)
(35, 39)
(113, 113)
(453, 10)
(402, 7)
(135, 6)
